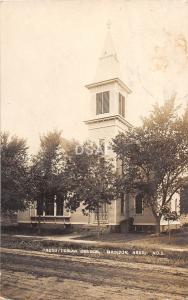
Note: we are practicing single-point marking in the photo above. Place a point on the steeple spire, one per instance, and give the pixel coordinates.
(108, 65)
(108, 24)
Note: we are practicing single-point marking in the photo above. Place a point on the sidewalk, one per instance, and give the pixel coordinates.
(73, 238)
(80, 239)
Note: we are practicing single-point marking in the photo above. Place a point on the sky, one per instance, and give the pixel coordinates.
(50, 50)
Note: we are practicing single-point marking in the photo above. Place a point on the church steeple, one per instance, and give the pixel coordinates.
(108, 65)
(109, 49)
(108, 102)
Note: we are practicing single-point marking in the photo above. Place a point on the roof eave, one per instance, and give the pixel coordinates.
(121, 83)
(101, 119)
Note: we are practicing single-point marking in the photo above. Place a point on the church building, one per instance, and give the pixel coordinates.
(109, 98)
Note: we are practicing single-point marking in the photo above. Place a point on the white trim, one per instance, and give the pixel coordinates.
(144, 223)
(110, 117)
(71, 223)
(44, 222)
(81, 223)
(89, 224)
(52, 216)
(166, 224)
(25, 222)
(104, 82)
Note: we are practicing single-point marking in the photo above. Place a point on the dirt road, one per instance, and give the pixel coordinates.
(41, 276)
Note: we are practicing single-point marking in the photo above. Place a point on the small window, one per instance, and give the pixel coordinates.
(121, 105)
(102, 103)
(139, 204)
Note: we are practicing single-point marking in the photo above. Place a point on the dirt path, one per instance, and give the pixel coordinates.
(35, 275)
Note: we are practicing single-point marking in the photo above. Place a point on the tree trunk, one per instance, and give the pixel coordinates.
(40, 215)
(158, 227)
(169, 235)
(39, 224)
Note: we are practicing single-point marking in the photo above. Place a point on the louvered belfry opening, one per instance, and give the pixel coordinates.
(103, 103)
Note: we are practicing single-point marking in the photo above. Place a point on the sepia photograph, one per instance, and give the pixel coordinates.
(94, 149)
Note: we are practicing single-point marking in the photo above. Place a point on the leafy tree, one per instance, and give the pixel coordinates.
(14, 173)
(47, 172)
(155, 157)
(90, 179)
(169, 216)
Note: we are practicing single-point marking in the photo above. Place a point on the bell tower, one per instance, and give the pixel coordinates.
(108, 97)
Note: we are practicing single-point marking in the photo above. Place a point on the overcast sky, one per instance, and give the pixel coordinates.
(49, 52)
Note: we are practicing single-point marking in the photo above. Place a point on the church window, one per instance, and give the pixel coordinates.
(121, 105)
(139, 204)
(176, 205)
(40, 208)
(59, 207)
(103, 212)
(49, 209)
(102, 103)
(122, 204)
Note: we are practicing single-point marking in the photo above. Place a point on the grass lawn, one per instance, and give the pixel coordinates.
(178, 239)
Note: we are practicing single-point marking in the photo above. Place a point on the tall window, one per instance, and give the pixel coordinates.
(122, 205)
(176, 205)
(102, 103)
(121, 105)
(59, 207)
(40, 207)
(49, 209)
(103, 212)
(139, 204)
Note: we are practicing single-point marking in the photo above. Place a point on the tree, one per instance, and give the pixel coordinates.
(47, 182)
(155, 157)
(14, 173)
(90, 178)
(169, 216)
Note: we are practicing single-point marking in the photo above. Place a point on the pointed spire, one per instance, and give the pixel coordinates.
(108, 66)
(109, 48)
(108, 24)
